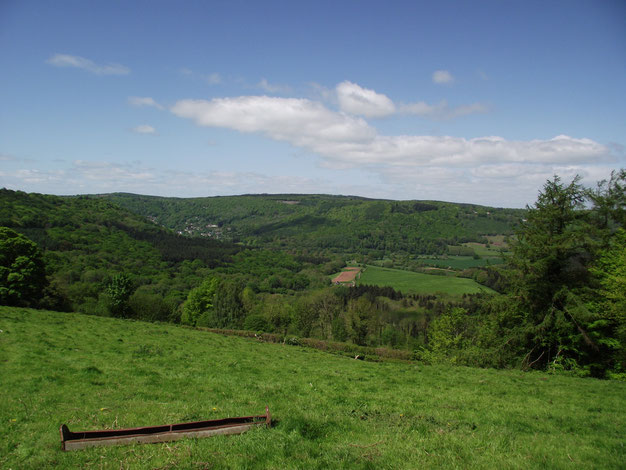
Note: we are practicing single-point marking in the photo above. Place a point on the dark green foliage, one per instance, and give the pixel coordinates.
(22, 272)
(86, 241)
(562, 286)
(551, 250)
(228, 305)
(331, 223)
(255, 323)
(305, 317)
(119, 290)
(609, 202)
(460, 251)
(609, 301)
(150, 306)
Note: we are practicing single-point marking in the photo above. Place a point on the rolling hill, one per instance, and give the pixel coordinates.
(329, 411)
(340, 224)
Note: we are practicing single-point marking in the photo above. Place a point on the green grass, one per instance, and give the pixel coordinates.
(330, 411)
(461, 262)
(418, 283)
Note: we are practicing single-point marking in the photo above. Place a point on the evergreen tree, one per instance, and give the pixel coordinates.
(551, 283)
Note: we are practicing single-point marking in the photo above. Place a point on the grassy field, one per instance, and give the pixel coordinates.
(418, 283)
(461, 262)
(330, 411)
(498, 244)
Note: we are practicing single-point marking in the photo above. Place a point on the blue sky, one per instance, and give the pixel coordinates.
(461, 101)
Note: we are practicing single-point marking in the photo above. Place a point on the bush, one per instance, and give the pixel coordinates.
(256, 323)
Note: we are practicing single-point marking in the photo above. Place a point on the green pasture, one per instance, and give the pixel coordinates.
(417, 283)
(460, 262)
(498, 244)
(330, 411)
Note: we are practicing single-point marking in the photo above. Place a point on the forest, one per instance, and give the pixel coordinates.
(263, 264)
(358, 226)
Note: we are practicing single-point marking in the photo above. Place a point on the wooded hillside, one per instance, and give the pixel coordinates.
(339, 224)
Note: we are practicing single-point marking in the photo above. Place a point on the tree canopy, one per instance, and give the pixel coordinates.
(22, 272)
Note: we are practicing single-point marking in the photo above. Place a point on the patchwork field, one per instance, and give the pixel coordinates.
(417, 283)
(331, 412)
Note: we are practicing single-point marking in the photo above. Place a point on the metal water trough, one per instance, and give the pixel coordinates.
(169, 432)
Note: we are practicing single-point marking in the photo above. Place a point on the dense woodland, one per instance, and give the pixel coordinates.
(263, 263)
(338, 224)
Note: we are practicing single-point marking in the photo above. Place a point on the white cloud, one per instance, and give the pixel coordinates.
(354, 99)
(144, 101)
(357, 100)
(442, 77)
(347, 141)
(144, 129)
(273, 88)
(64, 60)
(301, 122)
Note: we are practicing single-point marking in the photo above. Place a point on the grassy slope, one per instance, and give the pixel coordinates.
(331, 412)
(417, 283)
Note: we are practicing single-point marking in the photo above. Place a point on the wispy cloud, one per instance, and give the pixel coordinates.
(442, 110)
(83, 176)
(143, 101)
(64, 60)
(355, 99)
(214, 78)
(442, 77)
(514, 184)
(144, 129)
(272, 87)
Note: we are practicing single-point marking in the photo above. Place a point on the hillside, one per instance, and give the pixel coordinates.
(344, 224)
(102, 259)
(86, 241)
(330, 411)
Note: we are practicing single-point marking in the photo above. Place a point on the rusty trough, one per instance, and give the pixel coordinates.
(169, 432)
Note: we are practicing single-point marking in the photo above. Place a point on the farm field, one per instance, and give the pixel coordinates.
(417, 283)
(331, 412)
(461, 262)
(498, 244)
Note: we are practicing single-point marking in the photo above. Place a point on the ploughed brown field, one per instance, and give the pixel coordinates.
(348, 275)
